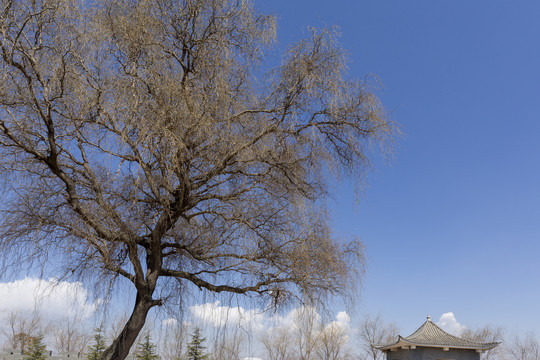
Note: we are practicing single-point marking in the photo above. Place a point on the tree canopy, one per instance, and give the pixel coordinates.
(148, 142)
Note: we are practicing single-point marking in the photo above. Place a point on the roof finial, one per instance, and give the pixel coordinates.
(428, 318)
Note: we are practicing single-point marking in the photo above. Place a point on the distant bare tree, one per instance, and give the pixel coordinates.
(374, 331)
(278, 343)
(228, 345)
(172, 339)
(524, 348)
(306, 332)
(307, 338)
(487, 334)
(143, 141)
(70, 334)
(333, 343)
(23, 328)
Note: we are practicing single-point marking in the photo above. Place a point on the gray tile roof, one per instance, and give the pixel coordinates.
(429, 334)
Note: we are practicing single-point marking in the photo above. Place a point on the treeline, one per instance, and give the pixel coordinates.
(305, 336)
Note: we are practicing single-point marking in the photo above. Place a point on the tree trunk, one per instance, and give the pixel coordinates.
(120, 347)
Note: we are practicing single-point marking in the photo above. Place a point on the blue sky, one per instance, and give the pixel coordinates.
(452, 223)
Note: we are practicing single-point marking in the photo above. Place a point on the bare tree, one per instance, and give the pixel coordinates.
(374, 331)
(487, 334)
(23, 328)
(333, 343)
(70, 335)
(524, 348)
(172, 339)
(229, 345)
(142, 143)
(278, 344)
(307, 332)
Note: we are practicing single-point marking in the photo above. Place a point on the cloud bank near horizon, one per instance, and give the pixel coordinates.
(52, 299)
(217, 315)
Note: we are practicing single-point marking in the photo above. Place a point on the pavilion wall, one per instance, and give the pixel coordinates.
(432, 353)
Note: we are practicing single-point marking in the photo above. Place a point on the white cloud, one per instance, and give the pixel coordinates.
(448, 323)
(343, 319)
(53, 299)
(170, 322)
(216, 315)
(302, 315)
(341, 326)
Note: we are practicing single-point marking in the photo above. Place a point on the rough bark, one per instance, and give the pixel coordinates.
(121, 346)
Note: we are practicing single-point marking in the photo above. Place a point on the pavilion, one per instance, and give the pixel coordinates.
(430, 342)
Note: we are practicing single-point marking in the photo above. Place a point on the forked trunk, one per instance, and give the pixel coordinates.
(120, 346)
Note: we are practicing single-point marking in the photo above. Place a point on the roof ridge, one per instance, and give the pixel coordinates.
(417, 330)
(430, 334)
(437, 328)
